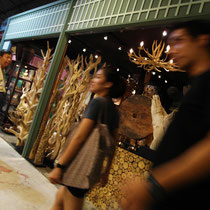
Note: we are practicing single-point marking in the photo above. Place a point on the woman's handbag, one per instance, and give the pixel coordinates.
(86, 167)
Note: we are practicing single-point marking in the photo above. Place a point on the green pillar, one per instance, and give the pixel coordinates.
(59, 51)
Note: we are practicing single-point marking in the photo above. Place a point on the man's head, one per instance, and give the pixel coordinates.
(188, 41)
(5, 58)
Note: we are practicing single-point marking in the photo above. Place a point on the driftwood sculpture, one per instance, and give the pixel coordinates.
(71, 103)
(160, 121)
(23, 115)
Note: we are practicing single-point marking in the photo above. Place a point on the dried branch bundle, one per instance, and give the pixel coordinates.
(74, 92)
(153, 61)
(23, 115)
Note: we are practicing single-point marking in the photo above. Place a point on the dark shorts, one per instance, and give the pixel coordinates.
(77, 192)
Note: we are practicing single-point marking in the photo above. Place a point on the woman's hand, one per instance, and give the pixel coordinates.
(55, 176)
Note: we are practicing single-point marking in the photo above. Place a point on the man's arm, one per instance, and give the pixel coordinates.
(191, 166)
(188, 168)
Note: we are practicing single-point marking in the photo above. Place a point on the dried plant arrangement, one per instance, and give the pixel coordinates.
(71, 103)
(23, 115)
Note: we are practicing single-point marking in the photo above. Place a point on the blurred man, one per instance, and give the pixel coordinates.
(180, 178)
(5, 61)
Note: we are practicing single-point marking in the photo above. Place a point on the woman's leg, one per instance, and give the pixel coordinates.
(71, 202)
(66, 201)
(59, 200)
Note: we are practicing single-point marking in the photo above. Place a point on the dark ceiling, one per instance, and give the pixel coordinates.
(9, 8)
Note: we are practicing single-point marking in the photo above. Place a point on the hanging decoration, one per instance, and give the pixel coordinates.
(154, 60)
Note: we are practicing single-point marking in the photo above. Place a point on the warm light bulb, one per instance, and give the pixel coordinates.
(131, 50)
(168, 48)
(106, 37)
(159, 76)
(69, 41)
(118, 69)
(171, 61)
(96, 56)
(145, 59)
(153, 73)
(25, 67)
(134, 92)
(129, 75)
(119, 48)
(84, 50)
(164, 33)
(141, 43)
(166, 81)
(134, 59)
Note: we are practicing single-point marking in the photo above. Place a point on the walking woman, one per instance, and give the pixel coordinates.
(106, 84)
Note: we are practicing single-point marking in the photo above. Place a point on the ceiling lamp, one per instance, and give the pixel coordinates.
(165, 33)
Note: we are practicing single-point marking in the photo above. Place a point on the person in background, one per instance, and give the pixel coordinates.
(180, 178)
(5, 61)
(106, 84)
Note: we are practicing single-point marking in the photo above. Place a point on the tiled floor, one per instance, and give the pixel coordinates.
(23, 186)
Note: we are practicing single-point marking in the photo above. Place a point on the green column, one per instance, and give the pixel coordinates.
(59, 51)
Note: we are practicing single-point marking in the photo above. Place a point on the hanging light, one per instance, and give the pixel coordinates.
(171, 61)
(118, 69)
(153, 72)
(131, 50)
(25, 67)
(96, 56)
(84, 50)
(129, 75)
(168, 48)
(106, 37)
(141, 43)
(119, 48)
(159, 76)
(134, 92)
(69, 41)
(164, 33)
(166, 81)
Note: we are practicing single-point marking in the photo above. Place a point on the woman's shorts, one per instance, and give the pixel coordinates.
(77, 192)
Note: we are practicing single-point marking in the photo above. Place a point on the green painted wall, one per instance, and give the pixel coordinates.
(96, 14)
(38, 22)
(100, 14)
